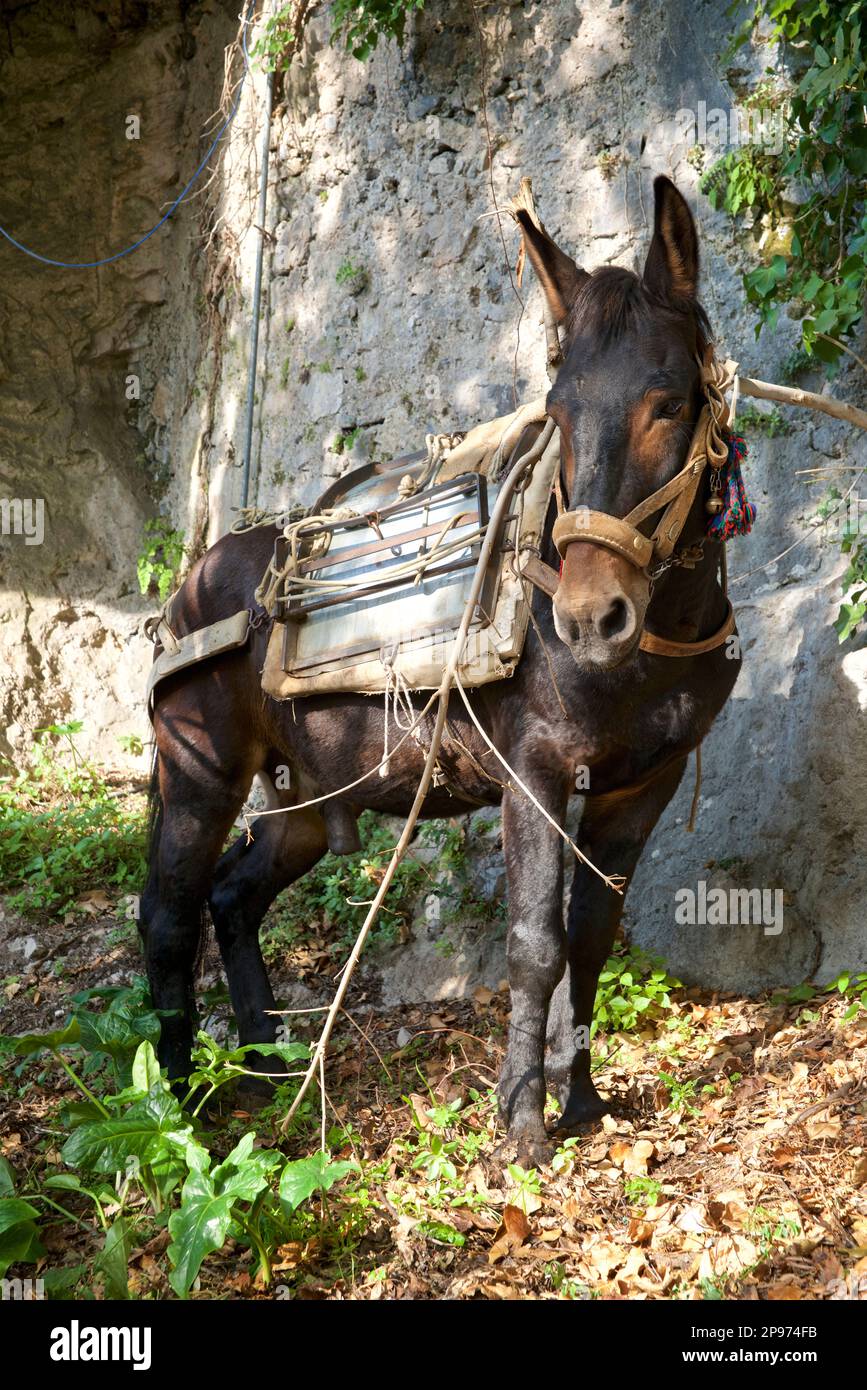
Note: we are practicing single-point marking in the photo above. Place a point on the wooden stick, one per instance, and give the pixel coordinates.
(793, 395)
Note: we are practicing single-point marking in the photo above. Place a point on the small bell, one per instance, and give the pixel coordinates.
(714, 504)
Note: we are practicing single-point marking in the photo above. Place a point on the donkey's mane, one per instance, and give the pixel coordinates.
(611, 301)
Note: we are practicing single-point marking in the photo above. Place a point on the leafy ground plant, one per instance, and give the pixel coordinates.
(139, 1154)
(64, 830)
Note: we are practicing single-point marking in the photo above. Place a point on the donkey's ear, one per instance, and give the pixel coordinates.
(671, 268)
(558, 274)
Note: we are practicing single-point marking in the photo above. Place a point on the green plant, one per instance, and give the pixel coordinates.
(336, 892)
(854, 988)
(642, 1191)
(854, 584)
(526, 1186)
(847, 986)
(147, 1141)
(769, 1231)
(346, 441)
(19, 1232)
(362, 23)
(346, 271)
(770, 422)
(680, 1093)
(64, 830)
(816, 248)
(160, 558)
(556, 1275)
(132, 744)
(634, 988)
(824, 269)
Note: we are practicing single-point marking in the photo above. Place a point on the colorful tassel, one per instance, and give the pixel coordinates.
(737, 515)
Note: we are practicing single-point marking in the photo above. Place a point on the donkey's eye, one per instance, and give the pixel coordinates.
(667, 410)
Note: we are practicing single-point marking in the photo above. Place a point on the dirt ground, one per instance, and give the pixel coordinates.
(733, 1164)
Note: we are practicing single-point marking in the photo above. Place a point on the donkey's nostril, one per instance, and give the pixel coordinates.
(613, 622)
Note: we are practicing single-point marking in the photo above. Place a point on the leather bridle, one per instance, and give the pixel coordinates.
(656, 553)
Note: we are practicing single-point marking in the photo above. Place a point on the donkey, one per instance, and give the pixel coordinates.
(586, 695)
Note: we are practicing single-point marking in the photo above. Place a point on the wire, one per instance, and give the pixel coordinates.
(118, 255)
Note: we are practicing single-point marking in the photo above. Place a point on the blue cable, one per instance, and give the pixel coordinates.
(118, 255)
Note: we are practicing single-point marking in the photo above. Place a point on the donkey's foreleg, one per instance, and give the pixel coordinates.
(613, 838)
(536, 948)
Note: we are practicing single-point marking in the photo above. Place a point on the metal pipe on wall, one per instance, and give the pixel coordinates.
(257, 292)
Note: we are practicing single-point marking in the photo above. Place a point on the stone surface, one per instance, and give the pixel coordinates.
(387, 166)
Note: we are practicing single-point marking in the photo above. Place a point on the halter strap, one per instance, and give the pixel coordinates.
(622, 535)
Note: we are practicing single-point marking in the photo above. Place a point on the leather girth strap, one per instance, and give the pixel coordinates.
(173, 653)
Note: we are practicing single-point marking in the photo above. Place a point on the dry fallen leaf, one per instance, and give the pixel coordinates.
(827, 1128)
(640, 1232)
(783, 1292)
(607, 1257)
(632, 1158)
(513, 1231)
(781, 1156)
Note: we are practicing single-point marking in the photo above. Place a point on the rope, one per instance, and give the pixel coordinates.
(119, 255)
(415, 567)
(616, 882)
(693, 810)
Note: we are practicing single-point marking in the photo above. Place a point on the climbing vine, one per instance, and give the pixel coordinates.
(807, 199)
(806, 195)
(360, 24)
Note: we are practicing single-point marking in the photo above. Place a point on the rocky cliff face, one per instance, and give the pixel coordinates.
(82, 426)
(387, 312)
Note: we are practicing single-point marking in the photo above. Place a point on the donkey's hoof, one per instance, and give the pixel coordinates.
(580, 1115)
(253, 1095)
(531, 1147)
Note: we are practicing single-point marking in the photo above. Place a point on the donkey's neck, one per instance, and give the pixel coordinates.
(689, 604)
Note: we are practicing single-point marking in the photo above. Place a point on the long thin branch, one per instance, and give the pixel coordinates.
(793, 395)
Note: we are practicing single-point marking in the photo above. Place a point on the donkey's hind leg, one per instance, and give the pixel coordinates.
(247, 880)
(199, 798)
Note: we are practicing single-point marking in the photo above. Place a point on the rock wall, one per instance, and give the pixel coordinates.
(387, 312)
(83, 425)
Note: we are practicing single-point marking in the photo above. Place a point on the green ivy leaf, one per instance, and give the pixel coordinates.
(154, 1128)
(113, 1262)
(318, 1173)
(27, 1044)
(208, 1205)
